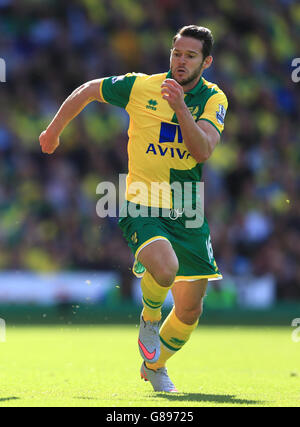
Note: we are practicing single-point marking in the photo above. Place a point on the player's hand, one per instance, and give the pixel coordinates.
(173, 93)
(48, 142)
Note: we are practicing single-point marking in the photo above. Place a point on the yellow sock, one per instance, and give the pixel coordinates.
(154, 296)
(165, 355)
(173, 335)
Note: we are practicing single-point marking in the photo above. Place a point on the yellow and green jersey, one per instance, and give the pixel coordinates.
(156, 149)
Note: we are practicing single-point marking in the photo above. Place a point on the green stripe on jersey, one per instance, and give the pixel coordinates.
(116, 90)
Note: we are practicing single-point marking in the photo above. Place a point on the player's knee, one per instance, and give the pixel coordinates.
(190, 315)
(165, 275)
(199, 312)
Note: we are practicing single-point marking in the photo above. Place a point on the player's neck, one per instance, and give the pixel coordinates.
(188, 87)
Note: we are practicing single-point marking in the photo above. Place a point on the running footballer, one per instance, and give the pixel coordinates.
(176, 119)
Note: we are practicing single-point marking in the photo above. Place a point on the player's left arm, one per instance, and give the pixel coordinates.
(202, 137)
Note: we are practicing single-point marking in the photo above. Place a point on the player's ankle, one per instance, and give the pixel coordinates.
(155, 366)
(151, 315)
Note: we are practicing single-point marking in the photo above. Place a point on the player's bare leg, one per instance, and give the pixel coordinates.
(188, 300)
(160, 261)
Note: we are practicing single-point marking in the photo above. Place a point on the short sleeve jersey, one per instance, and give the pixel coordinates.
(157, 153)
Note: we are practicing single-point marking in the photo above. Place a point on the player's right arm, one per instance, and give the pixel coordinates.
(73, 105)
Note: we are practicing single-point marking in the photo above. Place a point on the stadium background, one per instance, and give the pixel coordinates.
(50, 235)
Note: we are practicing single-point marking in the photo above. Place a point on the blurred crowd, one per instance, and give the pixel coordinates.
(48, 219)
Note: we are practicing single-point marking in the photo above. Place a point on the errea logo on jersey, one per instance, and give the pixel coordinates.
(152, 103)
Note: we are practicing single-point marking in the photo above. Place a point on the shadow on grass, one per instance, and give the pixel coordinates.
(6, 399)
(216, 398)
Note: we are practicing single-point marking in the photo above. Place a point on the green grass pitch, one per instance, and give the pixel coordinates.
(99, 366)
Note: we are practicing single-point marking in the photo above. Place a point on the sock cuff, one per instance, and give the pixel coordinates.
(153, 305)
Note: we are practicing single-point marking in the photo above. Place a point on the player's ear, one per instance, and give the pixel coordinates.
(207, 62)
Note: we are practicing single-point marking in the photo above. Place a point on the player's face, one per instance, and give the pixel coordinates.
(186, 60)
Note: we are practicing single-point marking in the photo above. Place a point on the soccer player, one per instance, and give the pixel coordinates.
(176, 120)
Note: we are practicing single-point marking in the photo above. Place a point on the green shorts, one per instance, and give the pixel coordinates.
(192, 245)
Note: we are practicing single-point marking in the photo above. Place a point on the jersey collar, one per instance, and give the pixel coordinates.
(192, 91)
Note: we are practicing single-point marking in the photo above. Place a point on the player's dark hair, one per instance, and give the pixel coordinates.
(200, 33)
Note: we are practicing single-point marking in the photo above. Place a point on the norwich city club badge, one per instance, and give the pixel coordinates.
(134, 238)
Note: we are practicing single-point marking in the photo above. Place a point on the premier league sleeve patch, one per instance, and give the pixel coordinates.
(117, 79)
(221, 114)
